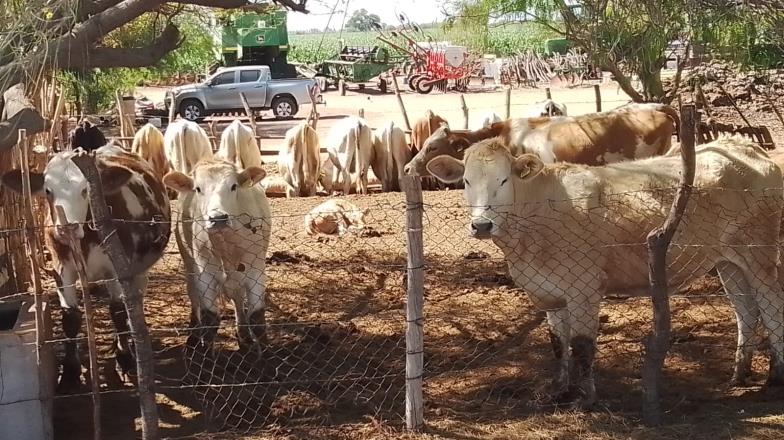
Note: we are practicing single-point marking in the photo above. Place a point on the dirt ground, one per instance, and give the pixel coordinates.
(334, 366)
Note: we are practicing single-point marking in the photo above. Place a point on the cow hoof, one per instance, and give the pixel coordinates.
(69, 383)
(125, 363)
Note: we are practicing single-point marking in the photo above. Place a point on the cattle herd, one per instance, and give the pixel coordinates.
(509, 170)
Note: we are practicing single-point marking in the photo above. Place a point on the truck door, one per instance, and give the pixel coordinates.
(254, 87)
(223, 93)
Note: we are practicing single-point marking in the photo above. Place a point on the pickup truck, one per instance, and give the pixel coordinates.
(220, 93)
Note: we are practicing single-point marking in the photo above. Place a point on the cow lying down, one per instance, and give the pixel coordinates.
(335, 216)
(573, 233)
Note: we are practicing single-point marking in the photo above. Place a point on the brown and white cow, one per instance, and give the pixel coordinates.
(223, 231)
(148, 144)
(548, 108)
(390, 155)
(486, 120)
(350, 148)
(185, 144)
(299, 160)
(635, 132)
(572, 233)
(141, 213)
(238, 145)
(335, 216)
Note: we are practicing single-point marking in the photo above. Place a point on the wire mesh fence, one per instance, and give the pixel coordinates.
(333, 350)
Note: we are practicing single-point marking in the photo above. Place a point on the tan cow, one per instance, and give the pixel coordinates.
(238, 145)
(148, 144)
(573, 233)
(350, 148)
(423, 128)
(635, 132)
(185, 144)
(391, 154)
(335, 216)
(299, 160)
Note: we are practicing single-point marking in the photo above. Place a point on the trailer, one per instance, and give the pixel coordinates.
(357, 65)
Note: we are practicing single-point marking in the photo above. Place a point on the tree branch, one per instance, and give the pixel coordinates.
(129, 57)
(623, 81)
(298, 5)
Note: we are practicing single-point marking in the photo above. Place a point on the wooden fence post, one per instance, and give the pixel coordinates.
(464, 107)
(172, 112)
(509, 102)
(361, 113)
(131, 297)
(249, 113)
(81, 270)
(414, 303)
(658, 342)
(547, 93)
(400, 102)
(598, 93)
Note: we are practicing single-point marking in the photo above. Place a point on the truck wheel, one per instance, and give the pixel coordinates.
(284, 107)
(192, 110)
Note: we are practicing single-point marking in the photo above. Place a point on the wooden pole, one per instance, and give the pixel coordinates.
(657, 343)
(400, 102)
(598, 93)
(172, 112)
(773, 106)
(131, 296)
(414, 303)
(547, 93)
(361, 113)
(81, 270)
(464, 107)
(248, 112)
(313, 117)
(734, 105)
(509, 102)
(58, 111)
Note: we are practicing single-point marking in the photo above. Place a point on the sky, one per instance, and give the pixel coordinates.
(418, 11)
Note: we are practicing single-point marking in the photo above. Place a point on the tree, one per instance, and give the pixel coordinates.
(362, 21)
(628, 37)
(39, 37)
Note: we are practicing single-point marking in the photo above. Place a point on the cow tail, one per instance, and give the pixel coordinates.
(388, 156)
(237, 150)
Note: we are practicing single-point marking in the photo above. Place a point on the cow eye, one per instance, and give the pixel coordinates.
(198, 190)
(503, 182)
(234, 187)
(48, 192)
(466, 182)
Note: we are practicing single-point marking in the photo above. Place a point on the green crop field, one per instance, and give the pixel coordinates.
(502, 41)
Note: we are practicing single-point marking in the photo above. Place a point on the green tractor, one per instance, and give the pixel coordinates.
(251, 39)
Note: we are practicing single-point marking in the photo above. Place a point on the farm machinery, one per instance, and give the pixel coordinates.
(357, 64)
(430, 65)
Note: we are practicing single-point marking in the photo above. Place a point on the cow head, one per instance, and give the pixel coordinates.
(490, 174)
(441, 142)
(215, 186)
(64, 185)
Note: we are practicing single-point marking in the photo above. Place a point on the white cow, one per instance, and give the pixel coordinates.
(486, 120)
(548, 107)
(299, 160)
(238, 145)
(573, 233)
(390, 155)
(350, 148)
(185, 144)
(223, 232)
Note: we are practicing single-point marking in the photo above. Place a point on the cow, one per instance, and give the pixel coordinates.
(350, 148)
(276, 186)
(238, 145)
(486, 120)
(335, 216)
(391, 154)
(548, 108)
(638, 132)
(140, 211)
(185, 144)
(423, 128)
(223, 230)
(572, 233)
(86, 136)
(299, 160)
(148, 144)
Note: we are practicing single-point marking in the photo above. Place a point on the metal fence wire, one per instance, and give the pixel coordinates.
(334, 352)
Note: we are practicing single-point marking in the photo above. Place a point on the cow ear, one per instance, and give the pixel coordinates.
(251, 176)
(178, 182)
(527, 166)
(446, 168)
(445, 126)
(114, 178)
(13, 181)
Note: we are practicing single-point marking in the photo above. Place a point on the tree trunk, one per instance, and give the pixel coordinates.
(652, 88)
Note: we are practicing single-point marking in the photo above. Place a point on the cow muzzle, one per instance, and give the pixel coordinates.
(482, 228)
(63, 233)
(412, 169)
(218, 222)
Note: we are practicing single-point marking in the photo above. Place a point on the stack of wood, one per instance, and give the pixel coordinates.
(526, 69)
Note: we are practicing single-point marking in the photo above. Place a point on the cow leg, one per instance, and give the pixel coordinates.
(123, 344)
(255, 287)
(209, 307)
(558, 321)
(234, 290)
(584, 323)
(746, 315)
(770, 301)
(72, 322)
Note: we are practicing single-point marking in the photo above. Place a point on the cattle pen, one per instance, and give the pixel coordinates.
(349, 355)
